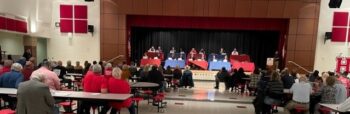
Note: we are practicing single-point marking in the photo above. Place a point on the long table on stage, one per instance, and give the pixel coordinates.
(217, 65)
(174, 63)
(202, 64)
(247, 66)
(76, 95)
(240, 58)
(150, 62)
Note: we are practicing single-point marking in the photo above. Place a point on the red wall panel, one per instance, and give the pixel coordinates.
(2, 23)
(66, 11)
(80, 26)
(66, 25)
(338, 34)
(340, 18)
(21, 26)
(11, 24)
(80, 12)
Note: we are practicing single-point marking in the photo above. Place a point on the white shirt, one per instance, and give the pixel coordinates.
(301, 92)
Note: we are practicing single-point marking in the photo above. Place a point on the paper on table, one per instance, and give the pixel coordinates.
(61, 93)
(95, 93)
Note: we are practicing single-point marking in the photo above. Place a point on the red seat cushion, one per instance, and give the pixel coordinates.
(7, 111)
(147, 92)
(300, 109)
(67, 103)
(137, 99)
(158, 98)
(325, 110)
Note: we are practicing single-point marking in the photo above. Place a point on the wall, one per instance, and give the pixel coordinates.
(43, 14)
(302, 14)
(327, 52)
(41, 49)
(11, 43)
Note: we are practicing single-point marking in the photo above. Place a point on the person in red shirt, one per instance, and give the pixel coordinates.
(27, 70)
(93, 82)
(344, 80)
(7, 67)
(117, 85)
(108, 71)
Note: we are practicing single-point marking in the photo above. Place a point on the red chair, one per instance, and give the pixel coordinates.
(137, 100)
(67, 105)
(158, 100)
(7, 111)
(300, 109)
(274, 108)
(325, 110)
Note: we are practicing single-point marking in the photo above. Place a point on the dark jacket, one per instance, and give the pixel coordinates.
(155, 76)
(274, 89)
(288, 81)
(177, 74)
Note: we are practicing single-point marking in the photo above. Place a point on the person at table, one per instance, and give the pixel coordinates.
(168, 71)
(156, 76)
(313, 76)
(172, 51)
(159, 50)
(214, 58)
(254, 78)
(69, 67)
(11, 80)
(180, 57)
(145, 56)
(222, 51)
(342, 79)
(301, 95)
(182, 51)
(234, 52)
(202, 52)
(274, 91)
(222, 76)
(86, 68)
(344, 107)
(241, 77)
(117, 85)
(328, 93)
(34, 97)
(6, 67)
(152, 49)
(96, 83)
(78, 68)
(225, 58)
(193, 51)
(187, 79)
(287, 79)
(108, 71)
(177, 74)
(51, 78)
(27, 70)
(315, 98)
(144, 73)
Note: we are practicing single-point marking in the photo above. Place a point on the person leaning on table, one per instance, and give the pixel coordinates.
(34, 97)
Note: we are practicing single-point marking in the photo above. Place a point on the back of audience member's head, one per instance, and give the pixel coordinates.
(108, 65)
(38, 76)
(96, 69)
(154, 68)
(69, 63)
(256, 71)
(187, 67)
(8, 63)
(59, 63)
(29, 65)
(16, 67)
(125, 67)
(316, 73)
(116, 73)
(330, 81)
(319, 79)
(241, 70)
(275, 76)
(46, 64)
(77, 63)
(223, 69)
(302, 78)
(345, 74)
(331, 73)
(168, 68)
(94, 62)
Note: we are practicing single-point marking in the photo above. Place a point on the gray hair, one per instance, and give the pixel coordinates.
(38, 76)
(116, 73)
(108, 65)
(16, 67)
(96, 68)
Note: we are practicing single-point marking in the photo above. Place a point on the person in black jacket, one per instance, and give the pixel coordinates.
(177, 74)
(224, 76)
(156, 76)
(186, 79)
(287, 79)
(274, 92)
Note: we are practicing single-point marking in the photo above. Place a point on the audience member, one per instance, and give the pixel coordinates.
(172, 50)
(125, 72)
(156, 76)
(186, 79)
(313, 76)
(328, 93)
(254, 79)
(287, 79)
(222, 76)
(34, 96)
(152, 49)
(6, 67)
(69, 67)
(177, 74)
(78, 68)
(118, 85)
(11, 80)
(51, 78)
(222, 51)
(27, 70)
(301, 95)
(93, 82)
(274, 91)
